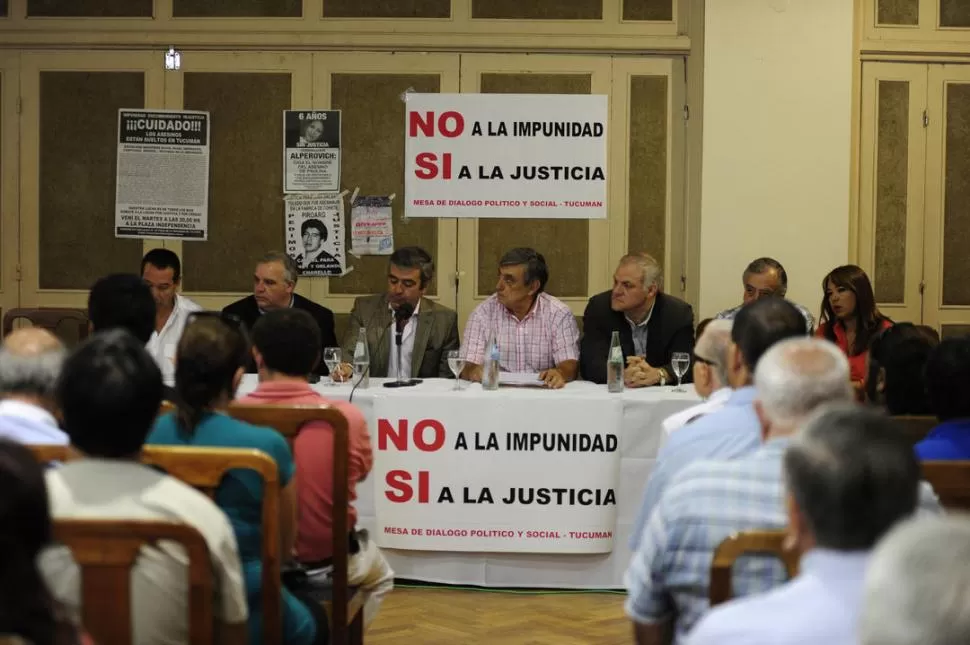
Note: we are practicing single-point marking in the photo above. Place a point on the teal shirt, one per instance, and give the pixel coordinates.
(240, 496)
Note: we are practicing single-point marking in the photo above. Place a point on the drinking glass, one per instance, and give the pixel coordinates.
(455, 364)
(331, 356)
(680, 361)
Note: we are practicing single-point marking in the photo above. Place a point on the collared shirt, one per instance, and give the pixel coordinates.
(547, 336)
(949, 441)
(678, 420)
(29, 424)
(730, 432)
(821, 605)
(729, 314)
(407, 344)
(708, 501)
(639, 332)
(162, 345)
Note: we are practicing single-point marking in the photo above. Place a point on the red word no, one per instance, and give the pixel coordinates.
(450, 124)
(399, 436)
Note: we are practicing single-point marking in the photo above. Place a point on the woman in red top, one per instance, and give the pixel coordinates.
(850, 318)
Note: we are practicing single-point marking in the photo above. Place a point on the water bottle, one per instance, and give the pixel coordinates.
(361, 360)
(614, 365)
(490, 370)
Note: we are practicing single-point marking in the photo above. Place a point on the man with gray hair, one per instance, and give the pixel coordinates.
(669, 573)
(30, 363)
(764, 278)
(850, 477)
(273, 283)
(917, 588)
(710, 376)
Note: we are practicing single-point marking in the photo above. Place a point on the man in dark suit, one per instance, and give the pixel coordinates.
(273, 282)
(427, 335)
(653, 325)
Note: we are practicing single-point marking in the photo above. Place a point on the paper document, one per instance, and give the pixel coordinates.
(527, 379)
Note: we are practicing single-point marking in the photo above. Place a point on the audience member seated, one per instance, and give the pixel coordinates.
(27, 608)
(653, 325)
(286, 344)
(535, 332)
(109, 393)
(896, 378)
(849, 477)
(765, 277)
(916, 587)
(734, 430)
(30, 362)
(274, 280)
(948, 383)
(850, 317)
(122, 301)
(210, 363)
(162, 272)
(430, 332)
(710, 376)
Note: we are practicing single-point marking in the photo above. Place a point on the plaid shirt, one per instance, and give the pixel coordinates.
(547, 336)
(729, 314)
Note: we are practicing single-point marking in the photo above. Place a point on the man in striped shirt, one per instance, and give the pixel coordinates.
(535, 332)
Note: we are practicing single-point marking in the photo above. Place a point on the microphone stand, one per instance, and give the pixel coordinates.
(399, 324)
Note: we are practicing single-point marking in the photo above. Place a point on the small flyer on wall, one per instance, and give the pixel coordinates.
(311, 151)
(372, 226)
(315, 234)
(162, 186)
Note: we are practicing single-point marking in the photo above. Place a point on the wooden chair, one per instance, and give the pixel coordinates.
(70, 325)
(738, 544)
(345, 606)
(915, 427)
(950, 481)
(106, 550)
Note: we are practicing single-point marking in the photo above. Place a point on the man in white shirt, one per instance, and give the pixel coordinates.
(109, 393)
(162, 272)
(710, 375)
(30, 362)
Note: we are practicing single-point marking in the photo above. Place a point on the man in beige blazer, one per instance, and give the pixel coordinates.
(428, 334)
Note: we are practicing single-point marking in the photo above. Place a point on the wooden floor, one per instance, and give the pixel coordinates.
(451, 617)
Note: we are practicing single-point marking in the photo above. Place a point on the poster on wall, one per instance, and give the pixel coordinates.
(506, 155)
(311, 151)
(162, 186)
(478, 476)
(315, 234)
(372, 226)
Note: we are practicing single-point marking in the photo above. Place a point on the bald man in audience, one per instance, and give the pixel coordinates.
(30, 362)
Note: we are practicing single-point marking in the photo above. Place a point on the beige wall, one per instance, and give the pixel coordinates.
(777, 116)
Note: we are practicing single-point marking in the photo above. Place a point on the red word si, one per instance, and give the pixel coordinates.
(399, 487)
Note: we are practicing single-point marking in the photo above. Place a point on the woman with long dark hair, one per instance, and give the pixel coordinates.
(850, 317)
(27, 608)
(210, 362)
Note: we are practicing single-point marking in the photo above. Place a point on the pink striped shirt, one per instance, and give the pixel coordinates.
(547, 336)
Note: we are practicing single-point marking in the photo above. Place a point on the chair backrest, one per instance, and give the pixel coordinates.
(70, 325)
(915, 427)
(950, 481)
(288, 420)
(746, 543)
(106, 550)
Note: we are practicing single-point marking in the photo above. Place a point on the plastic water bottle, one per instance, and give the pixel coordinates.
(490, 370)
(361, 360)
(614, 365)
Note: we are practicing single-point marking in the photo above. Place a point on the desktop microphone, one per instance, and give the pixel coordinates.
(401, 316)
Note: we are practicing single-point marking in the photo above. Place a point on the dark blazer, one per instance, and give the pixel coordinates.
(248, 311)
(437, 333)
(671, 329)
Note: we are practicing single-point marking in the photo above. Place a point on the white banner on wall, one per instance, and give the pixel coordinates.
(487, 477)
(162, 187)
(506, 155)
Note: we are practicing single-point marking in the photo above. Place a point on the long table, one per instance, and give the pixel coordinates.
(640, 436)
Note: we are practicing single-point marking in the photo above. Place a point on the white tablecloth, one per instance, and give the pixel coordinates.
(643, 412)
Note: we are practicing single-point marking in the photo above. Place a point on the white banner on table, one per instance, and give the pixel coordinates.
(315, 234)
(162, 188)
(506, 155)
(311, 151)
(484, 476)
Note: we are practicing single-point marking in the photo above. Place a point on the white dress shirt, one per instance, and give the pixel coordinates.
(677, 421)
(29, 424)
(162, 345)
(407, 345)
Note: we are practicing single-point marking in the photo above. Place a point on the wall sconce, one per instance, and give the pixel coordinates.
(173, 59)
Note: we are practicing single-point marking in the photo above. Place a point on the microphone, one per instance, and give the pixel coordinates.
(401, 316)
